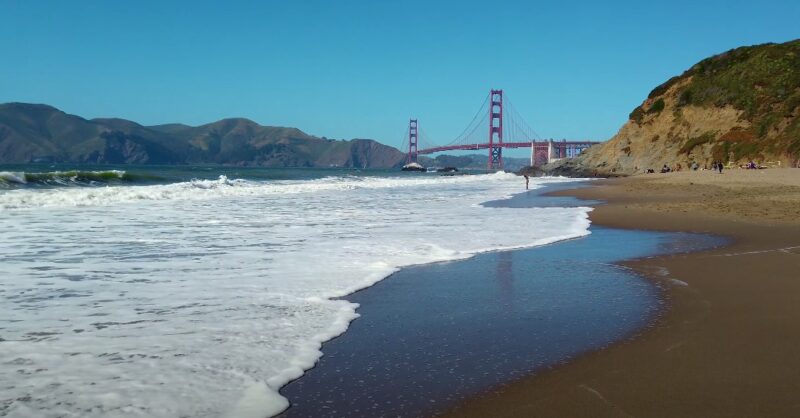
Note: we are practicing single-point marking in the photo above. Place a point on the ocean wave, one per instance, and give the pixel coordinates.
(10, 179)
(223, 187)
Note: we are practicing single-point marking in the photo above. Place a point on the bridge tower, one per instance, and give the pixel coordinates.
(412, 141)
(495, 130)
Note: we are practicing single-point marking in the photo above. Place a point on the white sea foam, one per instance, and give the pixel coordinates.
(203, 298)
(12, 177)
(678, 282)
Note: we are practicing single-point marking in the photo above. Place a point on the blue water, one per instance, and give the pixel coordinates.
(432, 335)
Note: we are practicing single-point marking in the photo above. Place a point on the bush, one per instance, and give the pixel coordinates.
(685, 98)
(739, 144)
(637, 115)
(765, 123)
(661, 89)
(657, 107)
(698, 140)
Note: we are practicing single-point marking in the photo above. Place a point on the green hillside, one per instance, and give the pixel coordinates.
(763, 81)
(739, 106)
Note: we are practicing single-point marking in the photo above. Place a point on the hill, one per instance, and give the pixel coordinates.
(35, 132)
(734, 107)
(472, 161)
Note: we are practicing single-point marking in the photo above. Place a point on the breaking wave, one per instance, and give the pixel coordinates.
(222, 187)
(13, 180)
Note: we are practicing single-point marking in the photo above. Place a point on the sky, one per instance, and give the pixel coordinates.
(360, 69)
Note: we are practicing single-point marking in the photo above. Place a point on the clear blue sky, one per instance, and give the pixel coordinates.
(360, 69)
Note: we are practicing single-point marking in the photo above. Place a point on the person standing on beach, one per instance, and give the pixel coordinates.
(527, 180)
(720, 167)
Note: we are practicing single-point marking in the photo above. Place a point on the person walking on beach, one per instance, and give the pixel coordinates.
(527, 180)
(720, 166)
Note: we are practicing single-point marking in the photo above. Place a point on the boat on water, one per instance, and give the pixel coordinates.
(413, 167)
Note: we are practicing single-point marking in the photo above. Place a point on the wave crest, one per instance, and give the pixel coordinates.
(10, 179)
(222, 187)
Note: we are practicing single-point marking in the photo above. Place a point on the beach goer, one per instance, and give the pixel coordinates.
(719, 166)
(527, 180)
(714, 166)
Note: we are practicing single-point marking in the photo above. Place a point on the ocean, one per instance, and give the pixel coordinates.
(201, 291)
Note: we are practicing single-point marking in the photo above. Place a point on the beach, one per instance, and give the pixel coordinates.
(726, 344)
(433, 335)
(676, 300)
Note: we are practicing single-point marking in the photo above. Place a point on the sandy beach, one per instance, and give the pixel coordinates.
(727, 345)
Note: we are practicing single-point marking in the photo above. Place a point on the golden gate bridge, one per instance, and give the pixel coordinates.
(506, 129)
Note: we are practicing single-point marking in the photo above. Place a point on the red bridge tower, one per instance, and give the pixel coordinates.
(495, 130)
(412, 141)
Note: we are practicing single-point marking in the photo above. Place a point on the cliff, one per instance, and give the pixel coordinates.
(734, 107)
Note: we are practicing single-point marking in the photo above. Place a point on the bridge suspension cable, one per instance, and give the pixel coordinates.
(468, 135)
(518, 128)
(425, 140)
(404, 141)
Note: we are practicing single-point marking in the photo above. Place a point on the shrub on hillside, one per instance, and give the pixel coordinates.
(657, 107)
(637, 115)
(698, 140)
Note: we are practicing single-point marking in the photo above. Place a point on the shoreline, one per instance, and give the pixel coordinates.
(726, 344)
(492, 298)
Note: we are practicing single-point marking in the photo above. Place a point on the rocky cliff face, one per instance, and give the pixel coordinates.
(734, 107)
(30, 132)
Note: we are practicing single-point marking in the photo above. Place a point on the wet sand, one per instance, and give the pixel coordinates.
(431, 336)
(729, 343)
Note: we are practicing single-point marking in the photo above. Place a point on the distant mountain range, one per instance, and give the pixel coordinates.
(42, 133)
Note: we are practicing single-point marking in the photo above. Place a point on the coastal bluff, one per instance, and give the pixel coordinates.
(734, 107)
